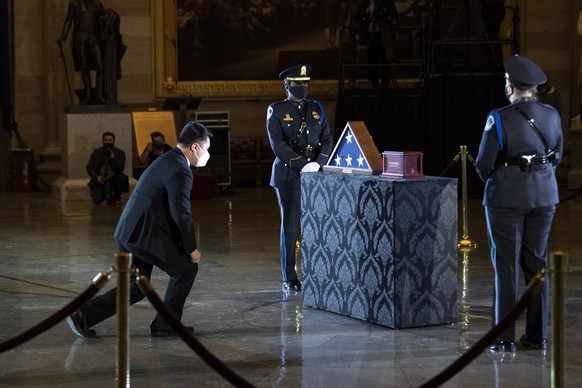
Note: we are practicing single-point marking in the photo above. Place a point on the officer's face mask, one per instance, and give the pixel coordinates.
(298, 89)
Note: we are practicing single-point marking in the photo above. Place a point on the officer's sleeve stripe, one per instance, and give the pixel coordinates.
(499, 131)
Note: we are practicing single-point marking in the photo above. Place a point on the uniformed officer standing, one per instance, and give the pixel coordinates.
(300, 137)
(518, 155)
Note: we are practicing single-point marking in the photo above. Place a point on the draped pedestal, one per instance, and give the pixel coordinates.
(381, 250)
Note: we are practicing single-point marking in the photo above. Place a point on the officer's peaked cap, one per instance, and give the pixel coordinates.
(296, 73)
(523, 72)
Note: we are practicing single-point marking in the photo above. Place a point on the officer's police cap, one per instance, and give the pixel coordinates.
(296, 73)
(523, 72)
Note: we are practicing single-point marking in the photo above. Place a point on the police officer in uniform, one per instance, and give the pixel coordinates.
(518, 155)
(300, 137)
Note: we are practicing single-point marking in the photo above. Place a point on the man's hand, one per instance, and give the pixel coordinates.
(149, 147)
(195, 256)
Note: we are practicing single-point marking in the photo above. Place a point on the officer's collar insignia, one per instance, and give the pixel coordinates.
(287, 117)
(315, 115)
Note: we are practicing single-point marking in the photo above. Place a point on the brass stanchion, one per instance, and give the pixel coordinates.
(558, 264)
(123, 274)
(465, 242)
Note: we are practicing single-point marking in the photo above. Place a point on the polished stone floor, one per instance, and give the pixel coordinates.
(50, 251)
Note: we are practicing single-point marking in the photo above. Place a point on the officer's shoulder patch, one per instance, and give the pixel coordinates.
(269, 111)
(490, 122)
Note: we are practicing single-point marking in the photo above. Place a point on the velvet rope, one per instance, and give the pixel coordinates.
(56, 317)
(533, 288)
(192, 342)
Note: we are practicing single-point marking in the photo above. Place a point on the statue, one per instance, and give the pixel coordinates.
(97, 47)
(113, 50)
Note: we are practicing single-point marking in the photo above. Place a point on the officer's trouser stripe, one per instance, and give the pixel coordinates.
(282, 237)
(494, 263)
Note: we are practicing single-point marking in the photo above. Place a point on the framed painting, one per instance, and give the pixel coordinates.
(236, 48)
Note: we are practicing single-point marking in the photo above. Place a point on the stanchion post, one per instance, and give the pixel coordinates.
(558, 264)
(123, 275)
(465, 241)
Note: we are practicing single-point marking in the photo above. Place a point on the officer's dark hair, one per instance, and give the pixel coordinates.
(157, 134)
(108, 134)
(193, 132)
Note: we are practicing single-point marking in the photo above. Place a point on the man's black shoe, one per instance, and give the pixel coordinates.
(292, 285)
(78, 324)
(532, 343)
(502, 346)
(164, 330)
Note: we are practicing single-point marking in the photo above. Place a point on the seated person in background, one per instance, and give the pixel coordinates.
(105, 167)
(155, 148)
(547, 94)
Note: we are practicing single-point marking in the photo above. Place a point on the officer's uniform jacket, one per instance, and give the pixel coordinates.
(508, 133)
(292, 153)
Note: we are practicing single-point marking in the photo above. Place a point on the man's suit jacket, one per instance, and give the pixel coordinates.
(157, 217)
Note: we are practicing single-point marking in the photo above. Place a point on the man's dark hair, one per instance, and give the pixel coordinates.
(108, 134)
(157, 134)
(194, 132)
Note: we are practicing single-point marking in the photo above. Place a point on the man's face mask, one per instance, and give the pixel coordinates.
(158, 145)
(203, 159)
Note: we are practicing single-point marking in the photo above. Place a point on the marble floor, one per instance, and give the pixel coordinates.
(51, 250)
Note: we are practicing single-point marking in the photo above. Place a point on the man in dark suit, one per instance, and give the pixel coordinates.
(300, 137)
(518, 155)
(156, 227)
(105, 167)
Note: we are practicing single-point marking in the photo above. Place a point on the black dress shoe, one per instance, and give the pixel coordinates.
(531, 343)
(292, 285)
(78, 324)
(502, 346)
(158, 329)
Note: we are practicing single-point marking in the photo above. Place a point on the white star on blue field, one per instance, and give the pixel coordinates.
(348, 152)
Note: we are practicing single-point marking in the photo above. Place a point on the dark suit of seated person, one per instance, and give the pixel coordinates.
(105, 167)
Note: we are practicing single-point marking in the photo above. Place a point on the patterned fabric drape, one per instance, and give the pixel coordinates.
(380, 250)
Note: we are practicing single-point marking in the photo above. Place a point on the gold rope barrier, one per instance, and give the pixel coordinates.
(465, 242)
(558, 264)
(123, 274)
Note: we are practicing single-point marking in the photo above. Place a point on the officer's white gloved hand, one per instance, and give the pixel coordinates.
(311, 167)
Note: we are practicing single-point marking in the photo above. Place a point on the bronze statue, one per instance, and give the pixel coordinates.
(86, 16)
(113, 50)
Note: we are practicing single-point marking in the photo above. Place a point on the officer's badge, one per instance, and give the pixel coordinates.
(489, 123)
(315, 115)
(303, 71)
(287, 117)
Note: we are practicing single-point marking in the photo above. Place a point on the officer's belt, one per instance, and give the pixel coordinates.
(535, 160)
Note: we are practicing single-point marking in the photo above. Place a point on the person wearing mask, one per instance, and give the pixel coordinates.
(548, 94)
(155, 148)
(519, 151)
(301, 140)
(156, 227)
(105, 167)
